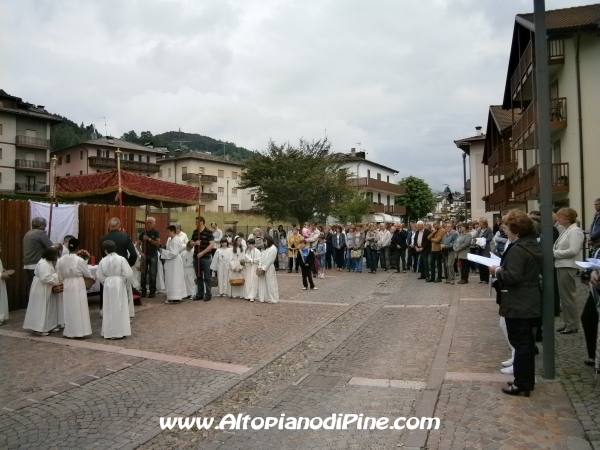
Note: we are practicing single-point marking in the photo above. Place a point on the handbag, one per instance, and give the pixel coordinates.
(355, 253)
(260, 272)
(214, 281)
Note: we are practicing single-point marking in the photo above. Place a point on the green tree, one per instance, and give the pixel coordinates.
(297, 182)
(353, 208)
(131, 136)
(419, 200)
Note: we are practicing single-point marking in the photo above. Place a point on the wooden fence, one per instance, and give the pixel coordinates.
(15, 222)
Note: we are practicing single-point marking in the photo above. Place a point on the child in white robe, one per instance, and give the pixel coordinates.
(252, 257)
(174, 279)
(114, 273)
(236, 269)
(4, 275)
(189, 272)
(220, 264)
(72, 269)
(268, 290)
(42, 310)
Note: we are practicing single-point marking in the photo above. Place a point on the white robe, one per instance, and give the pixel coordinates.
(251, 284)
(72, 269)
(174, 281)
(236, 270)
(220, 264)
(3, 297)
(42, 310)
(268, 290)
(115, 274)
(189, 272)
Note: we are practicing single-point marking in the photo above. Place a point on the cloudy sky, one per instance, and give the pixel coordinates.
(402, 78)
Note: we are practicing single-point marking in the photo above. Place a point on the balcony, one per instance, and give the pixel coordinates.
(398, 210)
(501, 197)
(378, 185)
(556, 56)
(111, 163)
(523, 131)
(37, 188)
(37, 166)
(501, 160)
(33, 142)
(194, 177)
(208, 196)
(526, 186)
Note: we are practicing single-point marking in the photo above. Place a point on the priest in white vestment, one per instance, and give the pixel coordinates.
(42, 309)
(72, 269)
(268, 290)
(174, 277)
(252, 257)
(220, 264)
(115, 274)
(3, 295)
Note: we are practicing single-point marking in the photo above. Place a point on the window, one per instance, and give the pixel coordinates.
(235, 207)
(183, 170)
(368, 173)
(234, 192)
(388, 178)
(221, 209)
(0, 128)
(0, 153)
(221, 174)
(160, 173)
(103, 153)
(68, 158)
(0, 177)
(81, 172)
(379, 176)
(80, 154)
(169, 172)
(68, 174)
(30, 133)
(144, 158)
(556, 156)
(60, 160)
(378, 198)
(201, 170)
(234, 175)
(221, 191)
(252, 196)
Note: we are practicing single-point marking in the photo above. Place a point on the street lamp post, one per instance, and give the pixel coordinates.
(464, 156)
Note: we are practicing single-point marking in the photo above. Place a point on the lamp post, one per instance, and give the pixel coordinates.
(52, 193)
(120, 192)
(464, 156)
(227, 198)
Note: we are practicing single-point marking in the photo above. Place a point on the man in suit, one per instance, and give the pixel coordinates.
(423, 248)
(124, 246)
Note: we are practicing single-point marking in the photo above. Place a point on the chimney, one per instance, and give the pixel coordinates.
(478, 131)
(352, 151)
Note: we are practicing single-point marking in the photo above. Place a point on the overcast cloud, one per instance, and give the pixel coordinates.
(403, 78)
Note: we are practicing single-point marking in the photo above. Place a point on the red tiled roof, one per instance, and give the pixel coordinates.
(578, 16)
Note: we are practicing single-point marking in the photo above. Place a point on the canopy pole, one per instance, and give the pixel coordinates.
(118, 155)
(52, 194)
(200, 171)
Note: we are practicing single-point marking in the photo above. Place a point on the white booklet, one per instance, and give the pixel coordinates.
(591, 263)
(495, 261)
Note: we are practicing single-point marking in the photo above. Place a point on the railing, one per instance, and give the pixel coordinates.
(501, 197)
(524, 126)
(194, 177)
(501, 156)
(556, 55)
(378, 185)
(399, 210)
(100, 161)
(28, 141)
(34, 187)
(524, 123)
(527, 186)
(27, 164)
(558, 109)
(208, 196)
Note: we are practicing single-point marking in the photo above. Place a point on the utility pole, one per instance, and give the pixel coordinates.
(542, 93)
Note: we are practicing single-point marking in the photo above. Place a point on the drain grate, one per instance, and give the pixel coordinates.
(321, 381)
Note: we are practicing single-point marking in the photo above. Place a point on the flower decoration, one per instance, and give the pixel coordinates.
(84, 254)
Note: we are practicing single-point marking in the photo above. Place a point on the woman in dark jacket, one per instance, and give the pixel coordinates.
(518, 294)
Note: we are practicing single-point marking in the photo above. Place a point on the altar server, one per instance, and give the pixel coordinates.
(174, 278)
(220, 264)
(268, 290)
(236, 268)
(252, 258)
(42, 310)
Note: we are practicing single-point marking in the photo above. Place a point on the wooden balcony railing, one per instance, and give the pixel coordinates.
(398, 210)
(378, 185)
(208, 196)
(35, 142)
(501, 159)
(501, 197)
(32, 165)
(556, 55)
(558, 110)
(527, 185)
(32, 187)
(526, 123)
(194, 177)
(99, 161)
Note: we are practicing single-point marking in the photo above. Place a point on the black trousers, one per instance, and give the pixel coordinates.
(464, 269)
(400, 259)
(307, 277)
(424, 263)
(435, 264)
(484, 272)
(412, 259)
(521, 337)
(329, 256)
(589, 322)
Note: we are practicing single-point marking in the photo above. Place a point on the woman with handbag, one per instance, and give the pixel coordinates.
(518, 294)
(236, 269)
(268, 289)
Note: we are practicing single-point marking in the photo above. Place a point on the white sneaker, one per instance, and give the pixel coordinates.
(507, 370)
(315, 289)
(507, 363)
(303, 288)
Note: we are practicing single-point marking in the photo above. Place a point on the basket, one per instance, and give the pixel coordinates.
(89, 282)
(236, 281)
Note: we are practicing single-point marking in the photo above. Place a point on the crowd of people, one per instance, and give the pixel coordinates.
(245, 267)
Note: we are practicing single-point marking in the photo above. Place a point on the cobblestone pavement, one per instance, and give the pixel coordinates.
(362, 343)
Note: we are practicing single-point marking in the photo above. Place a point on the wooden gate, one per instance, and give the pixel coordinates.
(15, 222)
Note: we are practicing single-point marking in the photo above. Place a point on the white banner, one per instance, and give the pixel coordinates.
(65, 219)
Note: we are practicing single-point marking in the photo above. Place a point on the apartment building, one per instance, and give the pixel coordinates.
(219, 180)
(24, 146)
(512, 155)
(376, 181)
(99, 155)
